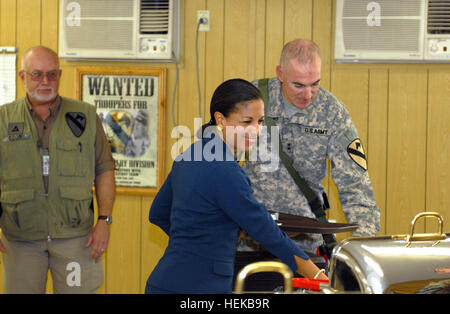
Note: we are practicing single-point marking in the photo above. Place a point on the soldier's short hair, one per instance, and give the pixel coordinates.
(304, 50)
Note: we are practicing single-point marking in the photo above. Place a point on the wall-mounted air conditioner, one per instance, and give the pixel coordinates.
(119, 29)
(397, 31)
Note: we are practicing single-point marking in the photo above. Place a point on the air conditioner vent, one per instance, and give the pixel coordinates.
(388, 8)
(438, 17)
(391, 35)
(154, 17)
(104, 8)
(102, 34)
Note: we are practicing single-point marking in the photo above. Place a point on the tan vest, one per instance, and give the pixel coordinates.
(28, 212)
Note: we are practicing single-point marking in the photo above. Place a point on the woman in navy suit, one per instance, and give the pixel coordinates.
(207, 200)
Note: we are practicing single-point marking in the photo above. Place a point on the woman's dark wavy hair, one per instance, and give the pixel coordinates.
(228, 96)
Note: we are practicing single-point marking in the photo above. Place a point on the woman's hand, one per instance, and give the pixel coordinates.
(308, 269)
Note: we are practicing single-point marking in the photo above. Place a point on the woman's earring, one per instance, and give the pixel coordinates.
(220, 127)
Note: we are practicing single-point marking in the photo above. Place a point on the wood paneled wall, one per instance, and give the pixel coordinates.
(401, 110)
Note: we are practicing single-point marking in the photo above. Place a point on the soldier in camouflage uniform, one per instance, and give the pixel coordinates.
(314, 127)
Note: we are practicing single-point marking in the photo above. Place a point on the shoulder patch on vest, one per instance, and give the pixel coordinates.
(356, 153)
(76, 122)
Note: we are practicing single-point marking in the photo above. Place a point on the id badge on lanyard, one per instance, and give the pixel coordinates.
(45, 162)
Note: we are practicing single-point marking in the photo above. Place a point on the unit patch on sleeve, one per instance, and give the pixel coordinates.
(356, 153)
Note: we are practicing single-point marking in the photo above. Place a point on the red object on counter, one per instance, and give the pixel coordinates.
(318, 253)
(308, 283)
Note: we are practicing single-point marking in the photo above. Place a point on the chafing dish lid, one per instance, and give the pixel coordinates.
(392, 264)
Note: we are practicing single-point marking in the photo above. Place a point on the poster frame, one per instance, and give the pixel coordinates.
(161, 74)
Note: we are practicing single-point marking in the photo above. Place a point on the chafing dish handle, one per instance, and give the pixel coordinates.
(257, 267)
(427, 236)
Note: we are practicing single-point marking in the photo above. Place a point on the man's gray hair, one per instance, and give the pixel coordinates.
(304, 50)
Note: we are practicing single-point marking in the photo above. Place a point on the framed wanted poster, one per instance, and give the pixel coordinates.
(131, 105)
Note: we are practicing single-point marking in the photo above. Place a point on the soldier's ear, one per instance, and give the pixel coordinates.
(279, 73)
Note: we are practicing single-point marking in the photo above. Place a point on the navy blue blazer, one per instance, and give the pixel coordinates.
(203, 204)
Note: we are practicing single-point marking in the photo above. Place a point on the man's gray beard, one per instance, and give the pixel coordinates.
(35, 94)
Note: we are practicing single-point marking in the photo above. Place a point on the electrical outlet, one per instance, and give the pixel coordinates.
(203, 19)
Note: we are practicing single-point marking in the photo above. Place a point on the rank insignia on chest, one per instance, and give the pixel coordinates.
(15, 131)
(356, 153)
(15, 128)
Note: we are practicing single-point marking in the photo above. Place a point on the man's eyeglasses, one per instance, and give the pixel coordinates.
(39, 75)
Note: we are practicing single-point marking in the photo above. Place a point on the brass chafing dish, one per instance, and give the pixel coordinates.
(412, 263)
